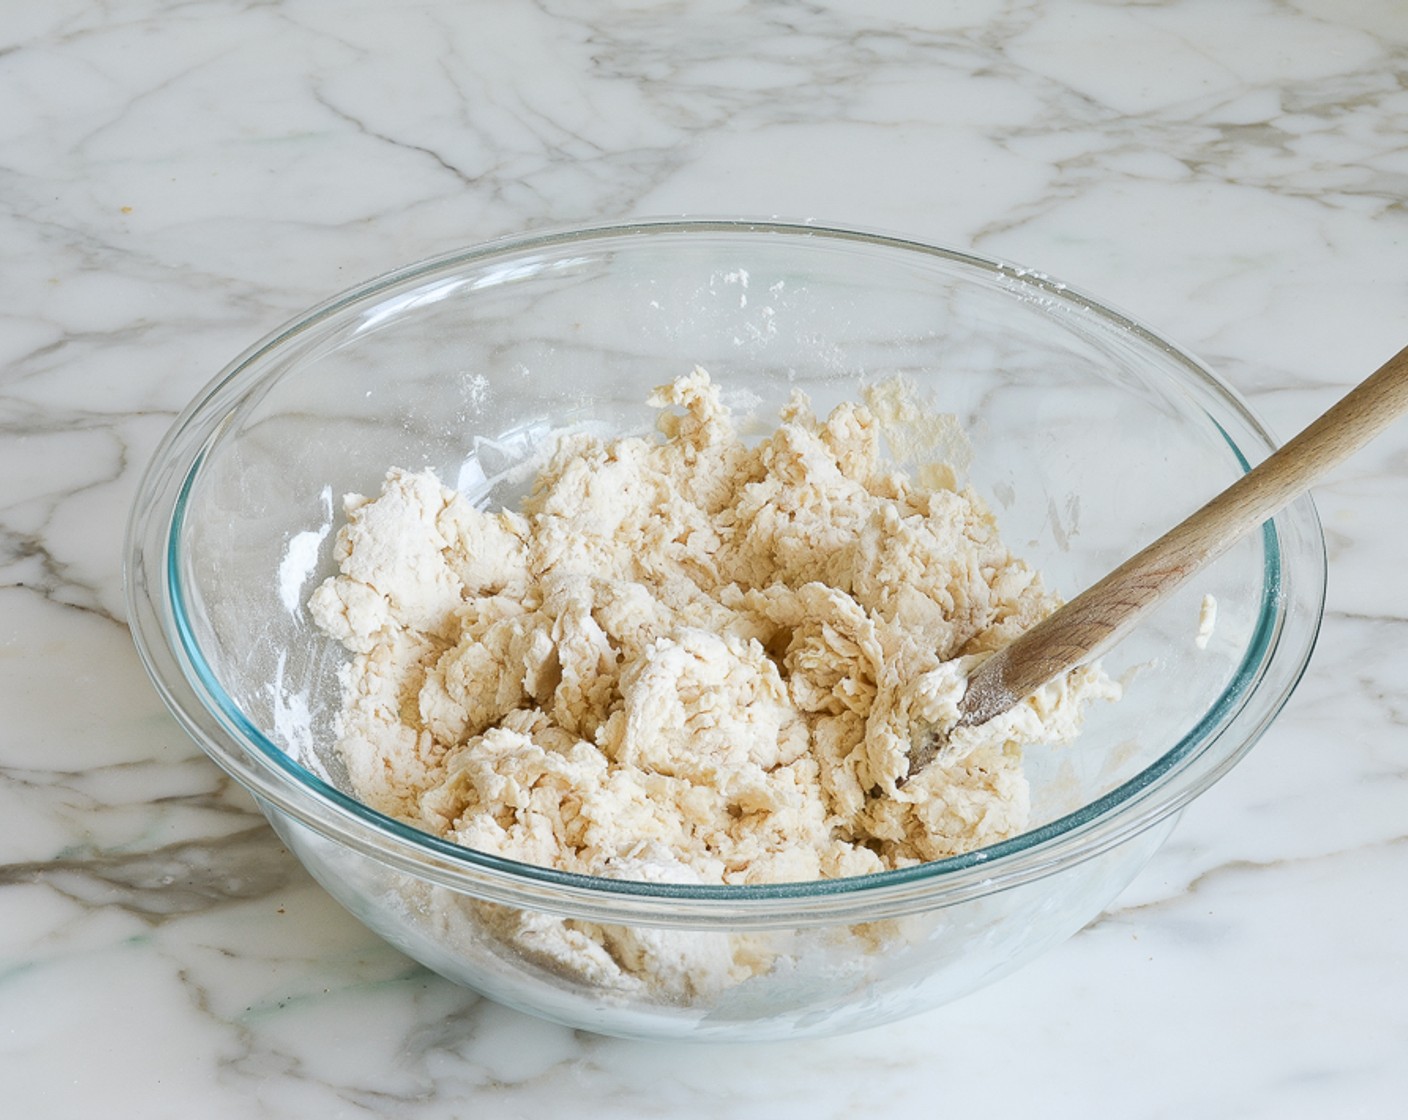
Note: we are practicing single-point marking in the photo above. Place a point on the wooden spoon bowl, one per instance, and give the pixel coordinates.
(1099, 616)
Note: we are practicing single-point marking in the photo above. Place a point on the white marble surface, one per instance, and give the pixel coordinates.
(178, 178)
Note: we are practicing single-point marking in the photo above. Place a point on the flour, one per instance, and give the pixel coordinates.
(687, 659)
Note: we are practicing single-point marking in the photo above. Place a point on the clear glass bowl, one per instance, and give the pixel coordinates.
(1092, 435)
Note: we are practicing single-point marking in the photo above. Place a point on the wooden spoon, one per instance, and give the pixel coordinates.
(1099, 616)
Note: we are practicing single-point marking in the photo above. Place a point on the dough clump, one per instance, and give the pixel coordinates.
(689, 659)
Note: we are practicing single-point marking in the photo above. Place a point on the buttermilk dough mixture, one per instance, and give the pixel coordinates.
(690, 660)
(689, 653)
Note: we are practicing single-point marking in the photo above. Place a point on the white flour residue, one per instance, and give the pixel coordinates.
(301, 557)
(293, 722)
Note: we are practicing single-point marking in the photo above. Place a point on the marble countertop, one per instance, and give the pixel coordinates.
(177, 179)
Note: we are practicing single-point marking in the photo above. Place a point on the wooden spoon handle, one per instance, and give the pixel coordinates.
(1100, 615)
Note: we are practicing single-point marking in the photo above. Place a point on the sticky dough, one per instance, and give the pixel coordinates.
(687, 658)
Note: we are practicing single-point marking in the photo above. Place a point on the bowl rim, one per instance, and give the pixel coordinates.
(172, 658)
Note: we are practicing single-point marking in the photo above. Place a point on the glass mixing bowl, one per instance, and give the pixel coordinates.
(1091, 436)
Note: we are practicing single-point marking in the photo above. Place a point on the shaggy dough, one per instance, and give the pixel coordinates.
(690, 659)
